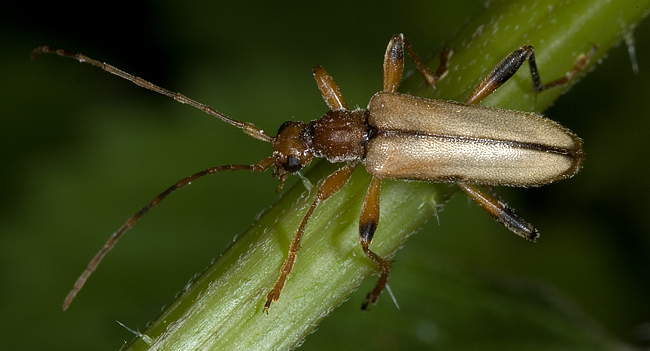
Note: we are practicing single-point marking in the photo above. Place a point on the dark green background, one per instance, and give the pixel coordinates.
(82, 151)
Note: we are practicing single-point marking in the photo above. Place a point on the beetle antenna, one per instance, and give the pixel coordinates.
(248, 128)
(259, 167)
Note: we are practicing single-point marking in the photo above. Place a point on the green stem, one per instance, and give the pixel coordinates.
(222, 309)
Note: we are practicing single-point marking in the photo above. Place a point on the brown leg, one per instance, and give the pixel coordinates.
(328, 89)
(260, 167)
(509, 66)
(368, 222)
(499, 75)
(501, 212)
(581, 62)
(330, 186)
(394, 63)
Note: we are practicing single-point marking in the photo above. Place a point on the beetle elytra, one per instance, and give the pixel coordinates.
(398, 136)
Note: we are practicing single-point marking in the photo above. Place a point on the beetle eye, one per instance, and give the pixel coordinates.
(283, 126)
(292, 165)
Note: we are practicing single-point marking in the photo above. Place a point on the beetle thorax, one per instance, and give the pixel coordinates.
(339, 135)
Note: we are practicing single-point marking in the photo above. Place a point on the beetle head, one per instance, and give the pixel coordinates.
(290, 151)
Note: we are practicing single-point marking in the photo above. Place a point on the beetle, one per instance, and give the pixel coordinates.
(398, 136)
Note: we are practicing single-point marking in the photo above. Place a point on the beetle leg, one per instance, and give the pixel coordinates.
(509, 66)
(394, 63)
(328, 89)
(581, 62)
(260, 167)
(330, 186)
(368, 222)
(503, 213)
(442, 65)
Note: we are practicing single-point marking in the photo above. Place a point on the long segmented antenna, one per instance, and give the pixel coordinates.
(248, 128)
(260, 167)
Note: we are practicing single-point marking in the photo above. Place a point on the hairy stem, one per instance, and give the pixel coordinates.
(223, 308)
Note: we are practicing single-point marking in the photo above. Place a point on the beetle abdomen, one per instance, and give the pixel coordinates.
(403, 155)
(441, 141)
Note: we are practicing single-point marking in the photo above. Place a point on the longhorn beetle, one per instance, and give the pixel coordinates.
(398, 137)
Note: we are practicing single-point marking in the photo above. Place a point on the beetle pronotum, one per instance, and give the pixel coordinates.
(398, 137)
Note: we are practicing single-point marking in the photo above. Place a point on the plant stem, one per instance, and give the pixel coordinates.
(222, 309)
